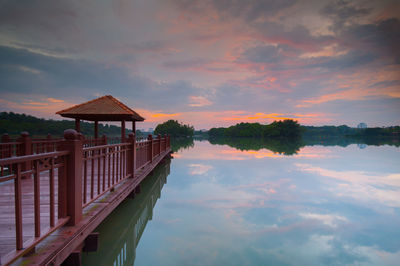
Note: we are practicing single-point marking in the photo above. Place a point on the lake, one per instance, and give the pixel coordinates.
(221, 204)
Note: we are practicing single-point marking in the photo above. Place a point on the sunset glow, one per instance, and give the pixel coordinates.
(206, 63)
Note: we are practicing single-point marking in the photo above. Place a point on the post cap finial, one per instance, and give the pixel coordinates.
(24, 134)
(70, 134)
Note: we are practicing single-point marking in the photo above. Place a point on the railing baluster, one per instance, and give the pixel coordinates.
(18, 208)
(113, 165)
(85, 176)
(109, 168)
(117, 165)
(104, 169)
(92, 176)
(98, 172)
(51, 181)
(36, 195)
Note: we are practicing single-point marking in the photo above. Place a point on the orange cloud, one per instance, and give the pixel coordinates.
(208, 119)
(159, 115)
(42, 107)
(53, 100)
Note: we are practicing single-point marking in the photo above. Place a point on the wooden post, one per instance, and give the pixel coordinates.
(159, 144)
(131, 158)
(49, 147)
(73, 172)
(77, 124)
(123, 131)
(150, 139)
(134, 127)
(96, 129)
(25, 149)
(104, 140)
(7, 151)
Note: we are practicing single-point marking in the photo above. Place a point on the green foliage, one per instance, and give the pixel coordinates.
(278, 129)
(14, 124)
(175, 129)
(277, 145)
(332, 131)
(178, 144)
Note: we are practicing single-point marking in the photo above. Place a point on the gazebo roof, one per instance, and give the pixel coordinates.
(105, 108)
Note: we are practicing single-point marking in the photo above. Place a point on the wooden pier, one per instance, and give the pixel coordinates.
(50, 202)
(55, 192)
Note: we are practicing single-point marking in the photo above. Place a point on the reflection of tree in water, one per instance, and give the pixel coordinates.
(181, 143)
(346, 141)
(286, 146)
(121, 231)
(290, 146)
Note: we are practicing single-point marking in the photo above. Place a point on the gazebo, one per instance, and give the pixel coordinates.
(105, 108)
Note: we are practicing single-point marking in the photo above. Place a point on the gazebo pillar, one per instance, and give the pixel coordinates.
(123, 131)
(96, 129)
(134, 127)
(77, 125)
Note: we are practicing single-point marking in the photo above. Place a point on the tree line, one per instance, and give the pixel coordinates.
(14, 124)
(278, 129)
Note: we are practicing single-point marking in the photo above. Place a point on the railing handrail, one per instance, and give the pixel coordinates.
(99, 147)
(25, 158)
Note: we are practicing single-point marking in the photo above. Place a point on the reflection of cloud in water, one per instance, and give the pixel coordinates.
(384, 188)
(331, 220)
(199, 169)
(205, 151)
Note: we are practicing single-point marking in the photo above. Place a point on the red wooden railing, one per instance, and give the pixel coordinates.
(24, 145)
(103, 168)
(46, 167)
(75, 175)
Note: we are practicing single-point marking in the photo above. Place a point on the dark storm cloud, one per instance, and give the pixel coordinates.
(381, 38)
(248, 10)
(262, 54)
(385, 84)
(24, 72)
(187, 63)
(32, 16)
(342, 11)
(298, 36)
(354, 59)
(253, 9)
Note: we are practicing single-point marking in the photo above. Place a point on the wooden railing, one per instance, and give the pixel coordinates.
(73, 176)
(46, 167)
(24, 145)
(103, 168)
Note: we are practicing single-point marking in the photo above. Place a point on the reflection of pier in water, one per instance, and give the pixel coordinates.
(120, 233)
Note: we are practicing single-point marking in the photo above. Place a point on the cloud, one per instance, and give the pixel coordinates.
(331, 220)
(199, 101)
(365, 187)
(199, 169)
(228, 9)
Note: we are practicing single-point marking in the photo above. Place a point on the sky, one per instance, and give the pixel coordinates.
(205, 63)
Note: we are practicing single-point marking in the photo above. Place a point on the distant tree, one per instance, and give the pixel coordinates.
(287, 129)
(175, 129)
(284, 129)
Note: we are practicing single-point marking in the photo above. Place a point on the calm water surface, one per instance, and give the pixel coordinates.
(217, 205)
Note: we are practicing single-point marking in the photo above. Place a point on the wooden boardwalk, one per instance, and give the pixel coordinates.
(48, 238)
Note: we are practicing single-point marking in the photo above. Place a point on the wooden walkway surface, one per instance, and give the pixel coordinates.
(57, 246)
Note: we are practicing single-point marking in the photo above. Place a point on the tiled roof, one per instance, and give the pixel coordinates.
(105, 108)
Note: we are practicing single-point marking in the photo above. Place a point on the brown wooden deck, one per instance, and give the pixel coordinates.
(106, 180)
